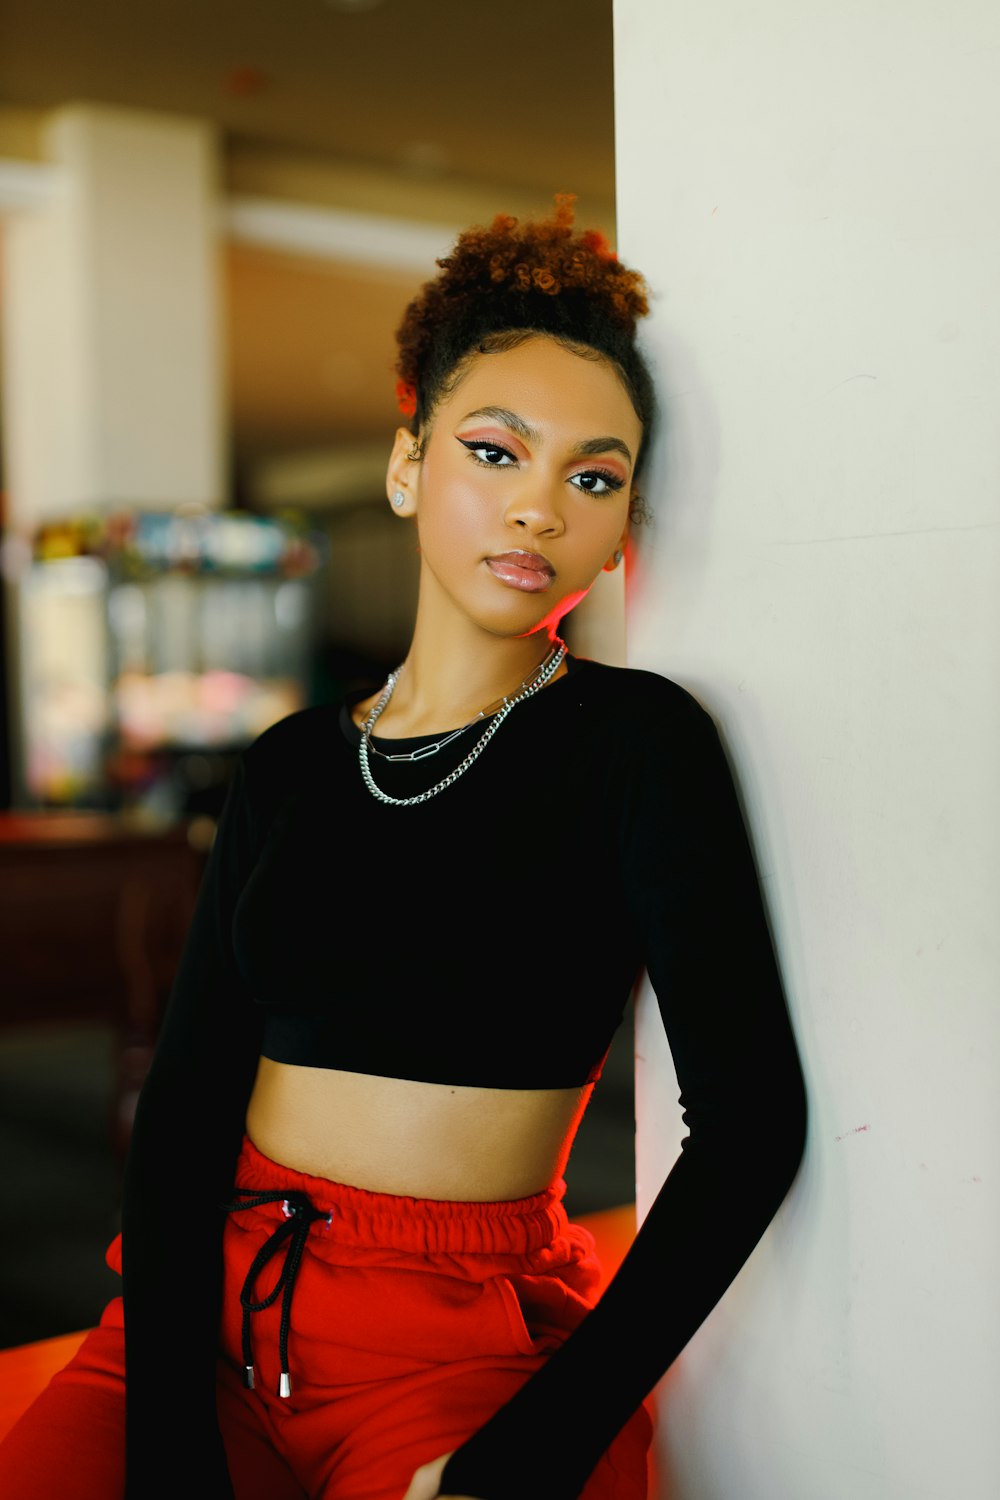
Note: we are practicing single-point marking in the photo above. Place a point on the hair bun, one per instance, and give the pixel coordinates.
(513, 274)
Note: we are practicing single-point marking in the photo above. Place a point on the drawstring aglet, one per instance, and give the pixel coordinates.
(285, 1384)
(248, 1376)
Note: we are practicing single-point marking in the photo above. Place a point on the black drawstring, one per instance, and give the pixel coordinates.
(299, 1214)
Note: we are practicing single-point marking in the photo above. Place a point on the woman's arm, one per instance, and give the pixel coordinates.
(695, 901)
(186, 1137)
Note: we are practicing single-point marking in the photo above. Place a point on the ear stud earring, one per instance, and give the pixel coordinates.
(399, 498)
(619, 554)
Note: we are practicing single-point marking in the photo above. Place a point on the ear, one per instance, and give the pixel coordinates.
(402, 477)
(619, 552)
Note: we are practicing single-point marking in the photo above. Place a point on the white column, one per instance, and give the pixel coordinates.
(806, 187)
(113, 394)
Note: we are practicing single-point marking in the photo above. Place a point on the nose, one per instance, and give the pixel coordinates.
(535, 507)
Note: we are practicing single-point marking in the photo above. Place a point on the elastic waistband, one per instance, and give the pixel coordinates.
(512, 1226)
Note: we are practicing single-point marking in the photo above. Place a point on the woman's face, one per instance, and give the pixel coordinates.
(523, 492)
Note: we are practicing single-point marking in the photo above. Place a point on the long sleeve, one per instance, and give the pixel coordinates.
(186, 1137)
(695, 903)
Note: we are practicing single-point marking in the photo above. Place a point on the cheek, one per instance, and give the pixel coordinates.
(604, 530)
(451, 516)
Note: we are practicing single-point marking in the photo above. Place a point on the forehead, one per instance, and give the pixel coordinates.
(553, 388)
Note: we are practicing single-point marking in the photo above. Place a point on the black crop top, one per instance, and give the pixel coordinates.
(597, 836)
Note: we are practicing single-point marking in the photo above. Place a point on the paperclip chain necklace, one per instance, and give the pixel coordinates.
(425, 751)
(531, 685)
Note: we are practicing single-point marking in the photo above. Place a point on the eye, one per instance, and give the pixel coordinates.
(596, 482)
(490, 455)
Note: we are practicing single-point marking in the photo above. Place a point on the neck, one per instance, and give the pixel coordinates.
(446, 682)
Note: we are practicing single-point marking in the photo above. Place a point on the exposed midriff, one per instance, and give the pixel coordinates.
(422, 1140)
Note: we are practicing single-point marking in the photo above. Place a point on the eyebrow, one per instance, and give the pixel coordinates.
(523, 429)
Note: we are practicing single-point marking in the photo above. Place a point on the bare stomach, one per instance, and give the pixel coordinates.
(422, 1140)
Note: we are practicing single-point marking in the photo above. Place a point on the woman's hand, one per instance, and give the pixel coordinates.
(424, 1484)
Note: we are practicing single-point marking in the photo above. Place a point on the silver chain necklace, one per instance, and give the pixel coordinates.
(425, 751)
(530, 686)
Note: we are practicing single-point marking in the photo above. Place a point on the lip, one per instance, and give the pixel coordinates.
(528, 571)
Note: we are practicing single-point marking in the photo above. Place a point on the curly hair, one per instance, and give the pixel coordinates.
(503, 282)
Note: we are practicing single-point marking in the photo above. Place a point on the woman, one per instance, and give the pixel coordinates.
(422, 918)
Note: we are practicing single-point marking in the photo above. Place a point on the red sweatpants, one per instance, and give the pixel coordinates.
(411, 1322)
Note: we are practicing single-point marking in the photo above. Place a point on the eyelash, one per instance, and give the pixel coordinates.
(612, 480)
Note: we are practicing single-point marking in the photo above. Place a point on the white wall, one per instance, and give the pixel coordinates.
(812, 192)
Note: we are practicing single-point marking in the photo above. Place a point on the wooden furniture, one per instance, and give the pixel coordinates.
(94, 910)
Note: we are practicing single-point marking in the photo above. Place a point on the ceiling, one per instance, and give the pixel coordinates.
(441, 113)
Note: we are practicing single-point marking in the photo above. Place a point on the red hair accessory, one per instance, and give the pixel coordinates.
(406, 397)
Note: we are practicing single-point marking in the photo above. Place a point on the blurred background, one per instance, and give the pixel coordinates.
(211, 219)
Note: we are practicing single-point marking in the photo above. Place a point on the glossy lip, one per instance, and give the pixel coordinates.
(519, 569)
